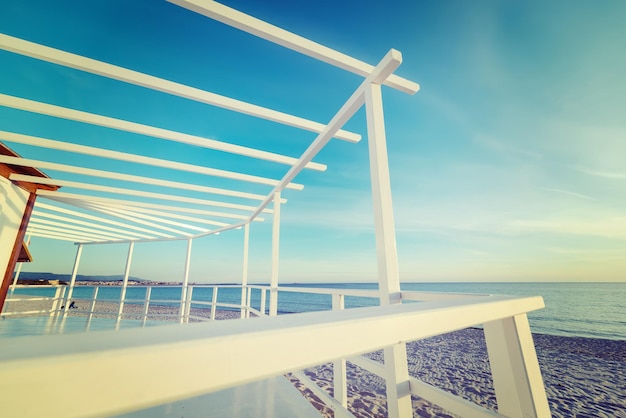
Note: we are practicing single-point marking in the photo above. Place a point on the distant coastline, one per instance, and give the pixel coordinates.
(45, 278)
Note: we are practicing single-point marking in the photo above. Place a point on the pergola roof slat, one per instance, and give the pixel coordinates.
(138, 128)
(139, 159)
(78, 62)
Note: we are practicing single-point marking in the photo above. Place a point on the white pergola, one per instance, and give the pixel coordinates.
(171, 216)
(138, 215)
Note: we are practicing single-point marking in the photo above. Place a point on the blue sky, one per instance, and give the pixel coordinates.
(508, 165)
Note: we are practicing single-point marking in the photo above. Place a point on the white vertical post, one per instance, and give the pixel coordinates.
(398, 391)
(214, 303)
(58, 294)
(340, 383)
(129, 260)
(516, 375)
(94, 298)
(248, 299)
(263, 301)
(275, 249)
(188, 303)
(146, 305)
(244, 277)
(183, 291)
(79, 252)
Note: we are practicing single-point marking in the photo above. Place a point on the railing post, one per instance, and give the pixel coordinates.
(244, 277)
(55, 301)
(340, 383)
(263, 301)
(129, 260)
(248, 301)
(275, 251)
(183, 290)
(68, 297)
(146, 305)
(214, 303)
(93, 307)
(18, 270)
(516, 375)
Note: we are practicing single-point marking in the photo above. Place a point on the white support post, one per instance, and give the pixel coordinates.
(516, 375)
(275, 250)
(397, 379)
(146, 306)
(129, 260)
(183, 291)
(214, 303)
(68, 298)
(340, 382)
(245, 301)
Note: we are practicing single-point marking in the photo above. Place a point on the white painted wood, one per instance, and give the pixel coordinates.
(165, 214)
(159, 220)
(289, 40)
(94, 300)
(370, 365)
(385, 67)
(449, 402)
(68, 298)
(155, 226)
(130, 192)
(138, 159)
(66, 197)
(245, 301)
(129, 260)
(138, 128)
(136, 382)
(146, 305)
(37, 222)
(339, 410)
(75, 214)
(34, 226)
(78, 62)
(388, 275)
(60, 237)
(340, 381)
(184, 297)
(126, 177)
(214, 302)
(516, 375)
(275, 255)
(92, 226)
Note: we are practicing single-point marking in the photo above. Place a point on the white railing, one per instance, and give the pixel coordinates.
(335, 336)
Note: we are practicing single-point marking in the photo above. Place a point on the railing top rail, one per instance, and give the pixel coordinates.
(140, 352)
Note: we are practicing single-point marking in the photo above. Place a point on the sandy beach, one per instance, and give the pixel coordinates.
(583, 376)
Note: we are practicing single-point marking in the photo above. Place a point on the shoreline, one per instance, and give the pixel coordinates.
(583, 376)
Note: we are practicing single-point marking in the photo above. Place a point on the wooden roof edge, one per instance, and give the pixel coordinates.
(7, 169)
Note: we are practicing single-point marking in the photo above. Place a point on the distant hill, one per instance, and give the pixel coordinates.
(79, 277)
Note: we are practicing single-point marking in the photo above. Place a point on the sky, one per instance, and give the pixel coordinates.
(507, 165)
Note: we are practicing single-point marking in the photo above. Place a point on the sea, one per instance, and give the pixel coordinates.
(593, 310)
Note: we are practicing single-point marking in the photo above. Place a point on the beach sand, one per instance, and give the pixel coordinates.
(583, 376)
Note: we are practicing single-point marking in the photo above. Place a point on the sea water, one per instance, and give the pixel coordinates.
(596, 310)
